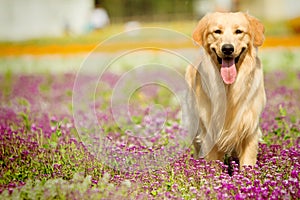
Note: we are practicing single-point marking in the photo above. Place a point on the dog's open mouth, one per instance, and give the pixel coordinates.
(228, 67)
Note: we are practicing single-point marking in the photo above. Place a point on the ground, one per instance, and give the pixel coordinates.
(45, 154)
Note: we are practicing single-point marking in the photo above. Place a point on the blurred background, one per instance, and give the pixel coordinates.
(21, 20)
(63, 27)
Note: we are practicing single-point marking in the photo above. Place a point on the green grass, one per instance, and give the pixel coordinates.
(94, 37)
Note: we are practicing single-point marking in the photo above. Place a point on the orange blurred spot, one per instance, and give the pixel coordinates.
(18, 49)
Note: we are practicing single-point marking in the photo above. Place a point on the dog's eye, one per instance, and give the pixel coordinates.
(238, 31)
(218, 31)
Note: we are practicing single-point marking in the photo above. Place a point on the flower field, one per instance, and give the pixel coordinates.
(42, 156)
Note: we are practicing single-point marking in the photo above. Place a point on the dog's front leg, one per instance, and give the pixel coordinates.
(248, 151)
(198, 140)
(197, 146)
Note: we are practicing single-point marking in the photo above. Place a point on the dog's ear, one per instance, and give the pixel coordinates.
(198, 33)
(258, 29)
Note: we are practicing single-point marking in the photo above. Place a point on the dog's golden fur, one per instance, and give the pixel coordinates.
(228, 112)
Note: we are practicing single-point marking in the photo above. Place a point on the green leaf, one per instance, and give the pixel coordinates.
(282, 111)
(293, 119)
(26, 120)
(136, 119)
(58, 133)
(287, 137)
(169, 185)
(53, 144)
(154, 192)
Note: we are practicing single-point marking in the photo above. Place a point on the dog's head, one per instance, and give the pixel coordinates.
(228, 37)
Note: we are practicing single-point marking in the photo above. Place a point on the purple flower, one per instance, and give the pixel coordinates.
(295, 174)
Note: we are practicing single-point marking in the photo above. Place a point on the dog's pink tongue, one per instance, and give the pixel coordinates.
(228, 71)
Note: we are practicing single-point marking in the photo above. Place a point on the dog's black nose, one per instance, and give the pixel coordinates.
(227, 49)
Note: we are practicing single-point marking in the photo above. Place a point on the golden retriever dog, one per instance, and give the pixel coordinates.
(227, 95)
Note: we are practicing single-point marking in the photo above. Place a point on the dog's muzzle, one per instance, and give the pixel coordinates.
(228, 63)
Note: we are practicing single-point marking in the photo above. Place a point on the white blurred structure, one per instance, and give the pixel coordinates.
(20, 20)
(99, 18)
(271, 10)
